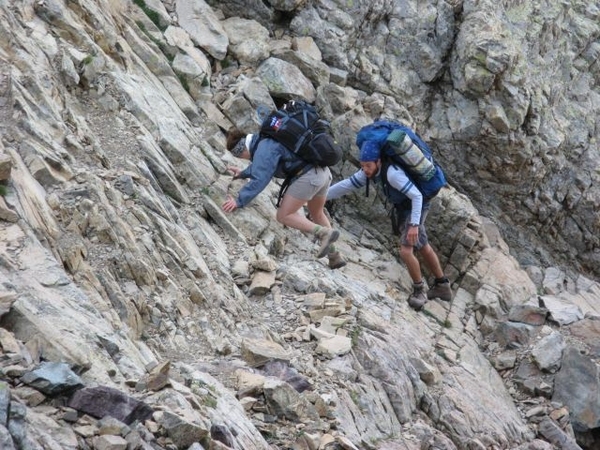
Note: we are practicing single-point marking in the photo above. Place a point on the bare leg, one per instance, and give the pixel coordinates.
(289, 214)
(412, 263)
(317, 212)
(431, 261)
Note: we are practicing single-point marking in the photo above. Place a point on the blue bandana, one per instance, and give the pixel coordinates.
(369, 152)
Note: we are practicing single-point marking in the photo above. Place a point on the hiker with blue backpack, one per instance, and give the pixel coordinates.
(278, 150)
(396, 157)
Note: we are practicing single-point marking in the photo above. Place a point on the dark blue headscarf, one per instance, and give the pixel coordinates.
(369, 151)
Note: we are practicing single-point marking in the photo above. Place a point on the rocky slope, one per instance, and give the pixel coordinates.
(135, 314)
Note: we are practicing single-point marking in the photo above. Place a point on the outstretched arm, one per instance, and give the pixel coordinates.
(262, 171)
(341, 188)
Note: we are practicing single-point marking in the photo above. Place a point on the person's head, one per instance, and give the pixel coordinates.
(369, 157)
(238, 143)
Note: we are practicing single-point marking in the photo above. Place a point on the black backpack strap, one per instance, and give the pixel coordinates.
(306, 136)
(284, 187)
(385, 165)
(398, 215)
(395, 216)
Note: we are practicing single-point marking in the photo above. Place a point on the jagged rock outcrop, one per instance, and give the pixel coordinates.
(189, 328)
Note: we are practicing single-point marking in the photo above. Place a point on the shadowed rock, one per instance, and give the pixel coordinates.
(104, 401)
(52, 378)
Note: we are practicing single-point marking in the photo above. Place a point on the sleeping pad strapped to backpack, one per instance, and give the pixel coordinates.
(401, 146)
(298, 126)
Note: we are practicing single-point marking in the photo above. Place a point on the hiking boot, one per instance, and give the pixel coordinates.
(417, 299)
(440, 290)
(326, 237)
(336, 260)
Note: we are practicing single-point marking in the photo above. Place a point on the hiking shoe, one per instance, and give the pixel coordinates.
(441, 291)
(417, 299)
(326, 237)
(336, 260)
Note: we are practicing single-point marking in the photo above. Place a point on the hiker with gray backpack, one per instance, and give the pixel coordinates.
(396, 157)
(293, 144)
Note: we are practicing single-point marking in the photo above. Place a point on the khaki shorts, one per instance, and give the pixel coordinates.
(313, 183)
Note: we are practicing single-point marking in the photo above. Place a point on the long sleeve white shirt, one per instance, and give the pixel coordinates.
(397, 179)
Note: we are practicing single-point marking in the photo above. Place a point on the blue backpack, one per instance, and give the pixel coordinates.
(401, 146)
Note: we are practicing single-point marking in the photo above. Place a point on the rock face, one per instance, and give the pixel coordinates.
(134, 313)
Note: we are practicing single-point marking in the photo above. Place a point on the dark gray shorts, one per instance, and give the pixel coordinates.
(401, 220)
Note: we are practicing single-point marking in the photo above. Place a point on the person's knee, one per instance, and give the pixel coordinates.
(406, 252)
(424, 249)
(280, 216)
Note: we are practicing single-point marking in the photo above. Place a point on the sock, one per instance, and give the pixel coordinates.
(418, 286)
(331, 249)
(316, 229)
(441, 280)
